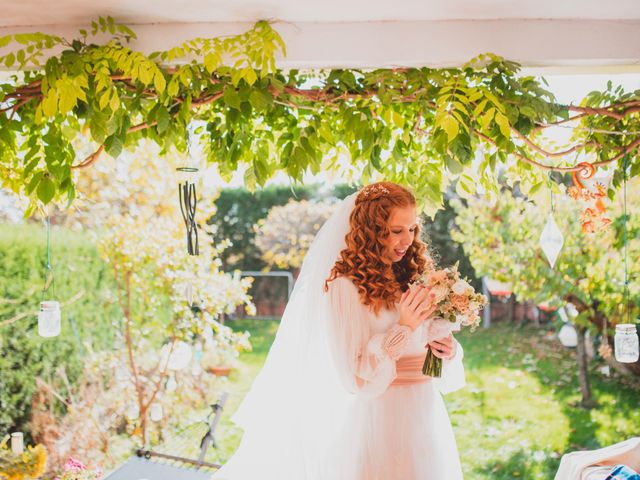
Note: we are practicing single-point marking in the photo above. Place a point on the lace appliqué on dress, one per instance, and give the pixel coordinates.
(395, 341)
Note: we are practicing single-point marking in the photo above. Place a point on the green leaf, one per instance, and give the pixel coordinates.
(486, 118)
(9, 60)
(210, 62)
(249, 75)
(503, 123)
(33, 183)
(450, 125)
(260, 100)
(231, 98)
(453, 165)
(466, 186)
(535, 188)
(104, 100)
(113, 145)
(163, 118)
(114, 102)
(159, 82)
(46, 190)
(50, 103)
(174, 87)
(68, 100)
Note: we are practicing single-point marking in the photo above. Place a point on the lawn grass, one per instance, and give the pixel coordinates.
(517, 414)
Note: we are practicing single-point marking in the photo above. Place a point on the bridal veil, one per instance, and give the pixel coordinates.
(297, 404)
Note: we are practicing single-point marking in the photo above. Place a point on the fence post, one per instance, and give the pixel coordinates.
(486, 313)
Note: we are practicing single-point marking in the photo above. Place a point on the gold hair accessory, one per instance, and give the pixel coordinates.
(375, 189)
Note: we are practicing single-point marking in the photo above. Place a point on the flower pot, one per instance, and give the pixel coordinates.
(221, 370)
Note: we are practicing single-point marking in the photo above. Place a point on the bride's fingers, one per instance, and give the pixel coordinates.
(427, 311)
(420, 299)
(405, 295)
(441, 354)
(444, 343)
(426, 305)
(412, 292)
(441, 351)
(414, 300)
(417, 302)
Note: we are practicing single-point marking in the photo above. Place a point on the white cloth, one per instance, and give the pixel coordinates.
(322, 407)
(596, 464)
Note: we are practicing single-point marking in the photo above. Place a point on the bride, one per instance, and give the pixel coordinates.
(341, 395)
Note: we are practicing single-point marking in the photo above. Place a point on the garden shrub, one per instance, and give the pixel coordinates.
(86, 323)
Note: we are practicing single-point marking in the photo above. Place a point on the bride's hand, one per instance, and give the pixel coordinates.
(415, 306)
(444, 348)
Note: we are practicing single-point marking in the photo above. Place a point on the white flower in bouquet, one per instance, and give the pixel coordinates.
(461, 287)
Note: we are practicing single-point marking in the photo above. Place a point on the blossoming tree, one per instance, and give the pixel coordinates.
(286, 234)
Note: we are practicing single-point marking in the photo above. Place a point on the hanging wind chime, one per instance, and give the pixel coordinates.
(188, 200)
(627, 348)
(49, 314)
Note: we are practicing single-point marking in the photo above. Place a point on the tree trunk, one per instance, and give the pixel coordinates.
(511, 304)
(583, 370)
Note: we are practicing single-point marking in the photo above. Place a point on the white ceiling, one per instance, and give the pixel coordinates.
(559, 34)
(65, 12)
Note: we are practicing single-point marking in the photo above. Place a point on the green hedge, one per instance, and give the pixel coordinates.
(23, 354)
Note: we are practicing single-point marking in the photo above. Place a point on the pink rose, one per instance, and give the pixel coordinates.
(460, 302)
(74, 465)
(437, 277)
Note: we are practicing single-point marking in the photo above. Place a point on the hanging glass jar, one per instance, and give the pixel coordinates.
(49, 318)
(49, 314)
(626, 343)
(17, 443)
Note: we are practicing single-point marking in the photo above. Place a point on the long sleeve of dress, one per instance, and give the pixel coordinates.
(452, 377)
(366, 363)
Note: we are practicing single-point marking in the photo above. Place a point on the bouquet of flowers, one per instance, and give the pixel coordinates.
(457, 305)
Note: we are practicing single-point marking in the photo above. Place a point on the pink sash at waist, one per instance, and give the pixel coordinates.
(409, 371)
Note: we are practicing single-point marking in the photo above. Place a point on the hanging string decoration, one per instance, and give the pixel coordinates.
(188, 202)
(594, 216)
(627, 347)
(49, 314)
(551, 238)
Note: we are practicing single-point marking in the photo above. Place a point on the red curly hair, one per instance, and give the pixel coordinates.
(380, 281)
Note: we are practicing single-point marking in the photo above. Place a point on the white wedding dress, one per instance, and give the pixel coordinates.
(341, 395)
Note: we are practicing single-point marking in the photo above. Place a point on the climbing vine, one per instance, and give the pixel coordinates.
(423, 127)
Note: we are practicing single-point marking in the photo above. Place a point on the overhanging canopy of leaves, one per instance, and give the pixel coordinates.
(416, 126)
